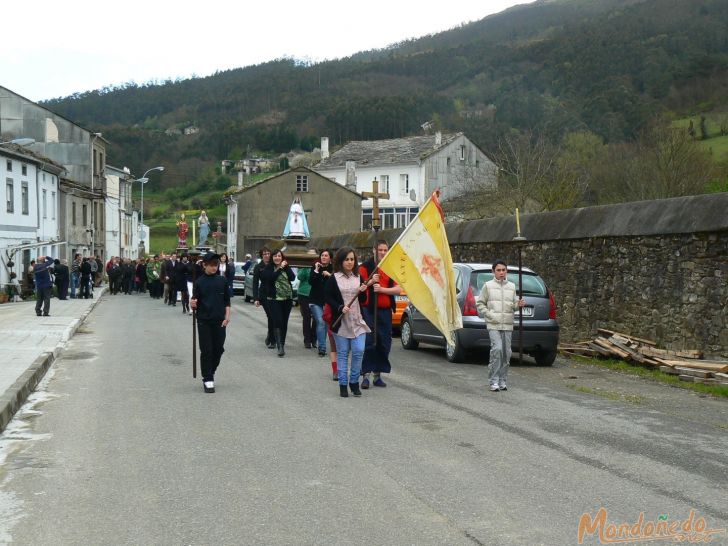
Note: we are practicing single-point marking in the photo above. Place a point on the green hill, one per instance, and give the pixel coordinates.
(608, 66)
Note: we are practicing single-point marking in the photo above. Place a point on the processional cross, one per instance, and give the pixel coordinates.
(375, 196)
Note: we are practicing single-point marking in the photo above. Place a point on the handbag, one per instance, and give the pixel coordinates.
(328, 314)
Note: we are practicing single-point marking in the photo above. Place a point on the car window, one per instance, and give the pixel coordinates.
(239, 270)
(533, 285)
(458, 279)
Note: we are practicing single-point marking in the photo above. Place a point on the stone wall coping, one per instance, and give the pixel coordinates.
(678, 215)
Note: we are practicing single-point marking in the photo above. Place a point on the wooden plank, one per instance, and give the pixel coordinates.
(613, 349)
(688, 378)
(610, 333)
(706, 381)
(696, 364)
(669, 370)
(665, 353)
(634, 355)
(720, 375)
(601, 350)
(693, 372)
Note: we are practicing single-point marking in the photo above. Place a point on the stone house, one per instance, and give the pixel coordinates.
(258, 213)
(409, 169)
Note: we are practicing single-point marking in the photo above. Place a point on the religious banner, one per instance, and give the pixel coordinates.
(420, 261)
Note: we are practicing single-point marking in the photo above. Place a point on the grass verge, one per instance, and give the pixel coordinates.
(720, 391)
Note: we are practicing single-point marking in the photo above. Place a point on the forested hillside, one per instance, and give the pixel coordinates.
(608, 67)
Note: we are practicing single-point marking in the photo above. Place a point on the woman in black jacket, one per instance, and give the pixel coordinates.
(276, 278)
(227, 270)
(320, 274)
(259, 293)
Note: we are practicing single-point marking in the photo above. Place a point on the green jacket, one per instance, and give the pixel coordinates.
(304, 287)
(153, 271)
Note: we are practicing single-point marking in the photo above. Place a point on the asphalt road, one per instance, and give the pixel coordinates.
(122, 446)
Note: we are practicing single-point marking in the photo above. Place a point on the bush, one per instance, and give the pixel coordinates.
(159, 211)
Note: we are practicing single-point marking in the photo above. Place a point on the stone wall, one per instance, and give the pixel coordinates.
(653, 269)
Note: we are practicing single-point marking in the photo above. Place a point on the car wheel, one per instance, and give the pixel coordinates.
(455, 353)
(408, 341)
(545, 358)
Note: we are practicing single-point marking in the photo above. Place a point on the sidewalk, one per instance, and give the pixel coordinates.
(30, 344)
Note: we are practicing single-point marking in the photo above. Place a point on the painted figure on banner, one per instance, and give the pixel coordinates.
(182, 229)
(296, 225)
(204, 228)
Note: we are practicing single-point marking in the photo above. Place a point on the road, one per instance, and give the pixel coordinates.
(121, 446)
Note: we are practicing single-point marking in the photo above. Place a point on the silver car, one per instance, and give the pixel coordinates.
(540, 328)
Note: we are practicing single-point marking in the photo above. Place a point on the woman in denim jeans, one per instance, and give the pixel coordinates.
(350, 332)
(322, 270)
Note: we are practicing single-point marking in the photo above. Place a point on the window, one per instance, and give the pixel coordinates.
(24, 197)
(73, 213)
(9, 166)
(404, 184)
(401, 215)
(45, 204)
(24, 170)
(462, 153)
(43, 177)
(448, 164)
(302, 182)
(84, 215)
(53, 205)
(9, 195)
(388, 218)
(384, 186)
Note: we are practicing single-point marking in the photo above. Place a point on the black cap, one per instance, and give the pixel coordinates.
(208, 257)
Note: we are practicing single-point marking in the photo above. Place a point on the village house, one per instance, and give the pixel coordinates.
(29, 218)
(120, 223)
(258, 213)
(83, 156)
(409, 169)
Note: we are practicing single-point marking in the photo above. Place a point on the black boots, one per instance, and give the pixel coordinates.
(280, 344)
(343, 391)
(269, 342)
(355, 389)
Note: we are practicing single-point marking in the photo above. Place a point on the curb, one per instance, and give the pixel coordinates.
(14, 397)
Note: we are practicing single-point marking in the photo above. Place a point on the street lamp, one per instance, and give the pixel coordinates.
(143, 181)
(20, 141)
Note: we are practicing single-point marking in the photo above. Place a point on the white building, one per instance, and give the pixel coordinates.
(409, 169)
(29, 218)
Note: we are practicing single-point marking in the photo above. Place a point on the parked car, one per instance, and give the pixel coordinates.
(540, 328)
(401, 302)
(249, 283)
(239, 279)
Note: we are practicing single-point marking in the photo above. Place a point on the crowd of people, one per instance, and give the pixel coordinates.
(346, 306)
(338, 298)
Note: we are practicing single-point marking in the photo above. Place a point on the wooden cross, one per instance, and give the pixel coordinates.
(375, 196)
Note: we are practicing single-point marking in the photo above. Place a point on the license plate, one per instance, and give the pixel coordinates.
(402, 298)
(527, 312)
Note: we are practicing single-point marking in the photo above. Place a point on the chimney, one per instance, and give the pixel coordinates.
(351, 175)
(240, 179)
(324, 147)
(438, 139)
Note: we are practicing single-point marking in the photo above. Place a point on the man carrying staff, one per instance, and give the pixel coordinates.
(382, 295)
(211, 301)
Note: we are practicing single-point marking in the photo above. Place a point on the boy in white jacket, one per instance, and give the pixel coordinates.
(497, 302)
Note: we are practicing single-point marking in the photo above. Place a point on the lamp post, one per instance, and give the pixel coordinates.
(143, 179)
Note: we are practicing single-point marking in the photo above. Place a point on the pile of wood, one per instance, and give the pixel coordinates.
(688, 365)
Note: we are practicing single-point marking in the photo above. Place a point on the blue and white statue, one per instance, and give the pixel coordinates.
(204, 228)
(296, 225)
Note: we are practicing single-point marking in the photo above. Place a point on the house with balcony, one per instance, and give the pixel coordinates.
(29, 217)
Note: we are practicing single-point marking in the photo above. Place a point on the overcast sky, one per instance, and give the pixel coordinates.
(53, 48)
